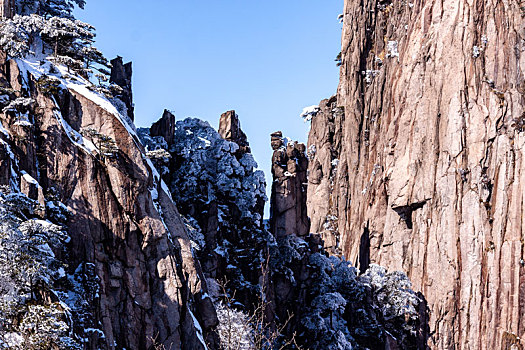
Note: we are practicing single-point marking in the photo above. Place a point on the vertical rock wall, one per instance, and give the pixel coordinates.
(426, 134)
(121, 75)
(230, 130)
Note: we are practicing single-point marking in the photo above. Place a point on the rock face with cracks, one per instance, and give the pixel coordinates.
(122, 220)
(418, 163)
(288, 202)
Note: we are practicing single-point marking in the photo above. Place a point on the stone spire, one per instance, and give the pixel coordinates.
(230, 130)
(121, 75)
(165, 127)
(288, 202)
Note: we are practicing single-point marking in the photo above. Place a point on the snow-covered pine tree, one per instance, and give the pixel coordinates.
(48, 8)
(50, 27)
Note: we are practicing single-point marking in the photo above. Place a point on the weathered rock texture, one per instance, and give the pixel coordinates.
(149, 280)
(121, 75)
(230, 130)
(430, 148)
(288, 202)
(165, 127)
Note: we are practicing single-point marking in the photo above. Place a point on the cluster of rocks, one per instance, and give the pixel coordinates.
(212, 178)
(288, 202)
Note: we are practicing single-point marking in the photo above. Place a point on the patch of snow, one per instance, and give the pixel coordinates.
(3, 130)
(29, 179)
(61, 272)
(199, 330)
(13, 340)
(221, 251)
(74, 136)
(77, 84)
(23, 123)
(309, 112)
(476, 51)
(392, 49)
(370, 75)
(206, 142)
(94, 330)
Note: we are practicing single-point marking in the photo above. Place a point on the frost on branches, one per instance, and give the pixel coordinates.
(359, 309)
(41, 306)
(48, 30)
(210, 180)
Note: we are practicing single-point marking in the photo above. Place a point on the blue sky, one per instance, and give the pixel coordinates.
(265, 59)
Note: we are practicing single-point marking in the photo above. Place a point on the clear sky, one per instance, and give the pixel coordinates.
(266, 59)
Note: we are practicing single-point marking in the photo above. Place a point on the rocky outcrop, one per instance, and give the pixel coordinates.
(288, 202)
(230, 130)
(5, 164)
(121, 75)
(150, 288)
(323, 206)
(165, 127)
(426, 131)
(212, 177)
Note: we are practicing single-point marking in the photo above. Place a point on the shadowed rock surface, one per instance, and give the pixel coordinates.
(121, 75)
(165, 127)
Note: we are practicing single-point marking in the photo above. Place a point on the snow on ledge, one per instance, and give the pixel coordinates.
(309, 113)
(76, 83)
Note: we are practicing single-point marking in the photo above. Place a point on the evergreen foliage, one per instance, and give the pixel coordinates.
(49, 28)
(28, 270)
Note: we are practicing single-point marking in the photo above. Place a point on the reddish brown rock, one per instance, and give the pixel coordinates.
(430, 148)
(288, 201)
(230, 130)
(150, 283)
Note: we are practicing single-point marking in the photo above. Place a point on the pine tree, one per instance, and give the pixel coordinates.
(49, 8)
(51, 24)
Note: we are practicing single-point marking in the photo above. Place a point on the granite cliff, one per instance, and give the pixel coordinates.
(155, 239)
(122, 220)
(417, 162)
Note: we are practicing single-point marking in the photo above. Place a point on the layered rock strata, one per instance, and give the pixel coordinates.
(427, 134)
